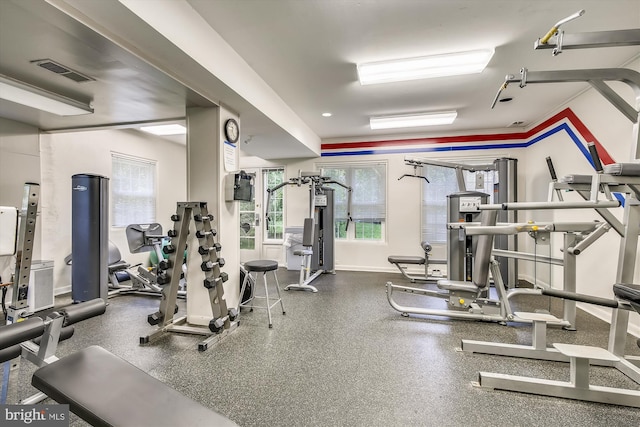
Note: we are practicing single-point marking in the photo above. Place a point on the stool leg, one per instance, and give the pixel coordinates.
(278, 290)
(253, 290)
(266, 293)
(242, 288)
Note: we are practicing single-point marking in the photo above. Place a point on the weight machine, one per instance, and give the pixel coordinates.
(144, 281)
(471, 299)
(505, 190)
(318, 255)
(623, 178)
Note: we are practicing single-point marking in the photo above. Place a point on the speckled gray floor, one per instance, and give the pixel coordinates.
(344, 357)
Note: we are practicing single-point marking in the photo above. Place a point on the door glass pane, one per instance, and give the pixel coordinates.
(247, 222)
(274, 230)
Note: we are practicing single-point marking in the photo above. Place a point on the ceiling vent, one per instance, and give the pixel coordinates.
(516, 124)
(62, 70)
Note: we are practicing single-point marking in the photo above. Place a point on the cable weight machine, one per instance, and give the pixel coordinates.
(318, 255)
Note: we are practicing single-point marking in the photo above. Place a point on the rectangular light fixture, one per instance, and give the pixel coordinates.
(413, 120)
(425, 67)
(40, 99)
(164, 130)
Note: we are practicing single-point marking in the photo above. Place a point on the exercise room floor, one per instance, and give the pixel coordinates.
(344, 357)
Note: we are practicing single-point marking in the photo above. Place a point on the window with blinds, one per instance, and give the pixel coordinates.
(133, 190)
(443, 181)
(368, 199)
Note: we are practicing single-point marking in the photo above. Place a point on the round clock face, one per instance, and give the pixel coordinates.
(232, 130)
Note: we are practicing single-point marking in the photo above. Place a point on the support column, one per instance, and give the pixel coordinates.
(205, 182)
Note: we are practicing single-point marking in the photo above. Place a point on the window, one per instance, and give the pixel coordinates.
(133, 190)
(368, 199)
(275, 229)
(247, 216)
(443, 181)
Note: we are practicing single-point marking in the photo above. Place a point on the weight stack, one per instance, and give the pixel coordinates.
(89, 236)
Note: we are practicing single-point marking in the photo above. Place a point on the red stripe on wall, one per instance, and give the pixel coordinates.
(567, 113)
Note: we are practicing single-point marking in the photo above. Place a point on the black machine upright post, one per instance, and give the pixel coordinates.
(89, 236)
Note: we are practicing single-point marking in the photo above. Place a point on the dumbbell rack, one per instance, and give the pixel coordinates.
(224, 319)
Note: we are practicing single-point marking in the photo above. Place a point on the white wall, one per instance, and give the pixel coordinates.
(66, 154)
(403, 207)
(19, 163)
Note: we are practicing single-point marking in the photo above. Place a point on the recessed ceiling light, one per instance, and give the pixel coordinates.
(164, 130)
(327, 114)
(413, 120)
(449, 64)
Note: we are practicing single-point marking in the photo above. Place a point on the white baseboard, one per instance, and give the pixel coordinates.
(376, 269)
(386, 269)
(62, 290)
(532, 279)
(604, 314)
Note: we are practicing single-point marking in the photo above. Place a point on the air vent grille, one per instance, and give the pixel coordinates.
(62, 70)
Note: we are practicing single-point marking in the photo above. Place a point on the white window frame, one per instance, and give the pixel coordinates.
(351, 234)
(116, 220)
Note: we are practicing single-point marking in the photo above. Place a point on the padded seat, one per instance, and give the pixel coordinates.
(117, 266)
(397, 259)
(105, 390)
(262, 265)
(303, 252)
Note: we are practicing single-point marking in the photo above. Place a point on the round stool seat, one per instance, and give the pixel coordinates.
(261, 265)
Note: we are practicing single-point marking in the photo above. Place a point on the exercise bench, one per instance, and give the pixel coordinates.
(402, 261)
(99, 387)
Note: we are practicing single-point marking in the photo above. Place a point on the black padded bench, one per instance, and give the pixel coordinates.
(416, 260)
(105, 390)
(629, 293)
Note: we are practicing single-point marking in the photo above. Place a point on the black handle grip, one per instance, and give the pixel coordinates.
(85, 310)
(581, 298)
(18, 332)
(596, 158)
(14, 351)
(552, 170)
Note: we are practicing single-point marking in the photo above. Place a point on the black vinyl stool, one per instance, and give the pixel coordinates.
(261, 266)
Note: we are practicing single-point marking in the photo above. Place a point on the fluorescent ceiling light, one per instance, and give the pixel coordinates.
(413, 120)
(164, 130)
(34, 97)
(425, 67)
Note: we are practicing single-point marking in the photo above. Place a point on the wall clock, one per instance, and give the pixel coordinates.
(232, 131)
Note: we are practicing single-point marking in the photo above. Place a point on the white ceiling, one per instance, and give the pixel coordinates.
(306, 51)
